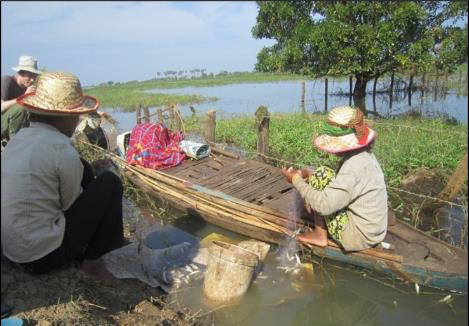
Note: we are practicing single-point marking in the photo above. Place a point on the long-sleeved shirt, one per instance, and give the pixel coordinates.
(360, 188)
(41, 178)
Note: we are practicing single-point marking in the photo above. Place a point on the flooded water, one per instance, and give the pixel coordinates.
(285, 96)
(337, 294)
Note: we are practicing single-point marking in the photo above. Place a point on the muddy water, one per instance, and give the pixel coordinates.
(335, 294)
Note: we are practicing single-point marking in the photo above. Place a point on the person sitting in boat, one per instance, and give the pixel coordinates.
(352, 206)
(55, 211)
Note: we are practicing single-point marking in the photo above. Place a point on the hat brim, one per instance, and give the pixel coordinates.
(34, 71)
(341, 144)
(29, 101)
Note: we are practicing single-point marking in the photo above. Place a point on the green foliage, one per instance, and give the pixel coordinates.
(403, 143)
(453, 50)
(364, 39)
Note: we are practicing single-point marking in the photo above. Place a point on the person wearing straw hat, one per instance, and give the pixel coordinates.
(55, 211)
(351, 207)
(14, 116)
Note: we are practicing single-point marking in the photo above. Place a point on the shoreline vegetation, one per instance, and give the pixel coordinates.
(404, 142)
(128, 96)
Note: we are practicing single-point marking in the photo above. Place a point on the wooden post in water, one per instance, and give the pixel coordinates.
(325, 100)
(303, 88)
(177, 118)
(171, 117)
(391, 89)
(262, 124)
(193, 111)
(210, 125)
(137, 113)
(435, 93)
(159, 113)
(422, 89)
(409, 90)
(146, 114)
(374, 94)
(455, 181)
(350, 81)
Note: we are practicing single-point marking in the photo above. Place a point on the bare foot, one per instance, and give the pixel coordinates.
(97, 269)
(315, 237)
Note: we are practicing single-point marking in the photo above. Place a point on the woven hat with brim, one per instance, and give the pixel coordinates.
(58, 93)
(27, 63)
(344, 130)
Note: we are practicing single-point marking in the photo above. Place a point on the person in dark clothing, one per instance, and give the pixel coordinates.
(14, 117)
(55, 210)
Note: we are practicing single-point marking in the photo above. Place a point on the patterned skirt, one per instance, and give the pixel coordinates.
(336, 222)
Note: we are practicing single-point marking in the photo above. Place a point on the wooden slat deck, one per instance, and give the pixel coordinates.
(247, 180)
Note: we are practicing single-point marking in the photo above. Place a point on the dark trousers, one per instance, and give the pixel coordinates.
(93, 224)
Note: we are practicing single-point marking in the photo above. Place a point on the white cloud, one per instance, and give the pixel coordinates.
(130, 40)
(90, 22)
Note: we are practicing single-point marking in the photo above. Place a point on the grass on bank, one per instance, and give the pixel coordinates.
(403, 143)
(130, 95)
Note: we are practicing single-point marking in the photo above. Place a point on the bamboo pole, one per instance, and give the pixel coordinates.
(217, 150)
(213, 206)
(182, 185)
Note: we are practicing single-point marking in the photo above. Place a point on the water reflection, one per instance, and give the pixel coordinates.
(285, 96)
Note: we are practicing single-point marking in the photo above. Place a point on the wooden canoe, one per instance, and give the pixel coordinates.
(237, 186)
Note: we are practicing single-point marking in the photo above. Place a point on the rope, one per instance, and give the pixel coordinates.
(427, 197)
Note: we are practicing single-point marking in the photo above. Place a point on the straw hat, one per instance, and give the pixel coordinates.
(58, 93)
(27, 63)
(344, 131)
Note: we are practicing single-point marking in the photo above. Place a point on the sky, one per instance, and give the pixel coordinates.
(123, 41)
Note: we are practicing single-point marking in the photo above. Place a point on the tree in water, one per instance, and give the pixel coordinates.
(359, 38)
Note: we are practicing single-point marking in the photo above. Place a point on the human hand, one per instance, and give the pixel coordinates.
(30, 89)
(306, 173)
(290, 173)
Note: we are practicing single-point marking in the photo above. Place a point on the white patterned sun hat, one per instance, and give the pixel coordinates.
(27, 63)
(344, 131)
